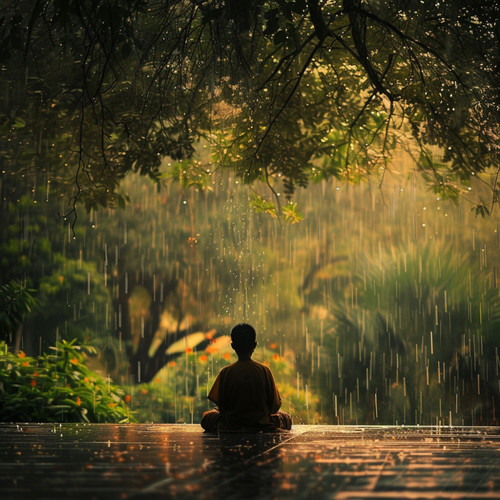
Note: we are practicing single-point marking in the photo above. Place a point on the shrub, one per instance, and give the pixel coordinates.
(15, 302)
(56, 387)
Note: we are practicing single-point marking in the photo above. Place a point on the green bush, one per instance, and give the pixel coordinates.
(15, 302)
(56, 387)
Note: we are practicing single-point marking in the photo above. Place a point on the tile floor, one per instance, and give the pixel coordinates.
(180, 461)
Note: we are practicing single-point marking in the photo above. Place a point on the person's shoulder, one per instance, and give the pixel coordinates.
(227, 367)
(258, 363)
(262, 366)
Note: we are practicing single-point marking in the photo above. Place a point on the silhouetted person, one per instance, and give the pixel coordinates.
(245, 391)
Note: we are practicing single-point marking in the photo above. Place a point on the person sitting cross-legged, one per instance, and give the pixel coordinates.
(245, 392)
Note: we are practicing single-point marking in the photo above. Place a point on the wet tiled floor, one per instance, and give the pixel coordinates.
(180, 461)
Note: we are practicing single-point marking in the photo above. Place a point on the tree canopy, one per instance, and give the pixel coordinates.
(284, 91)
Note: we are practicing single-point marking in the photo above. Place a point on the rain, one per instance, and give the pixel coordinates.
(380, 305)
(327, 172)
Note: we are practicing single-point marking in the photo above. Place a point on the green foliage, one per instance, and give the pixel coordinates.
(481, 209)
(289, 211)
(15, 303)
(189, 174)
(37, 250)
(77, 294)
(368, 266)
(418, 325)
(291, 89)
(56, 387)
(291, 214)
(261, 205)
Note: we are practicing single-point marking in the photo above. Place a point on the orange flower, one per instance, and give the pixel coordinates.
(192, 241)
(35, 374)
(144, 392)
(276, 356)
(227, 356)
(33, 383)
(272, 346)
(26, 363)
(171, 364)
(266, 363)
(157, 380)
(78, 401)
(128, 398)
(112, 405)
(203, 358)
(74, 361)
(86, 379)
(21, 354)
(188, 350)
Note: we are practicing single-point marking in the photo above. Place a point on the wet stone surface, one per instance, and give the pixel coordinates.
(180, 461)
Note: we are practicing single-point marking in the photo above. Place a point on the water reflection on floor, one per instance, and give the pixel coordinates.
(180, 461)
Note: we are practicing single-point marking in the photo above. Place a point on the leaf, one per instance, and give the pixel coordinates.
(481, 209)
(291, 214)
(19, 123)
(261, 205)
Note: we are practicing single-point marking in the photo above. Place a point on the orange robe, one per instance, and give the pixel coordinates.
(246, 394)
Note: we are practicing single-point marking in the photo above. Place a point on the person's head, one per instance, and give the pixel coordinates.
(243, 339)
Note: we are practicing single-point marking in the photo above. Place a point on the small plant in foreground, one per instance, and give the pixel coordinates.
(57, 387)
